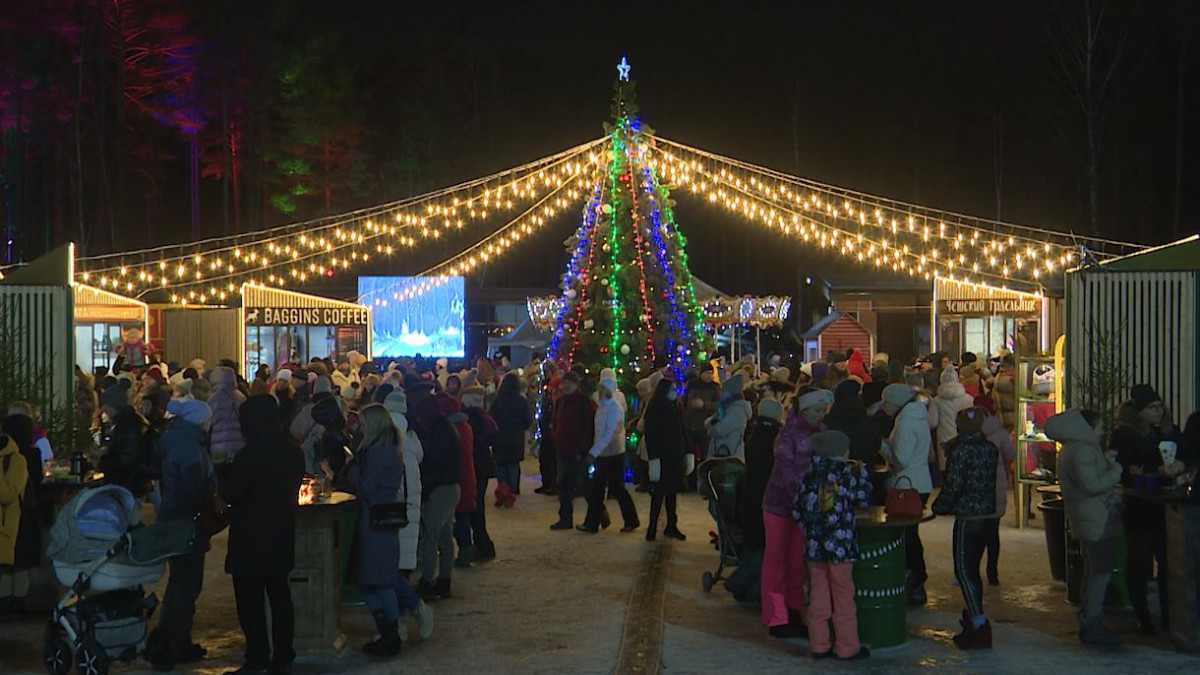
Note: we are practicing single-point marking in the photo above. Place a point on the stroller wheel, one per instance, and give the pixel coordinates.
(91, 659)
(707, 581)
(56, 654)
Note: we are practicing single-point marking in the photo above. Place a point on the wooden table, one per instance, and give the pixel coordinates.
(1183, 563)
(880, 588)
(316, 580)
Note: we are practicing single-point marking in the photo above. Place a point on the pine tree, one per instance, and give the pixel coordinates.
(628, 299)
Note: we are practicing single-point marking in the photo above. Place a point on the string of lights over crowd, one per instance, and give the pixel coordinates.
(874, 231)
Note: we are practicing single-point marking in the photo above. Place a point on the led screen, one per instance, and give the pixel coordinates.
(415, 315)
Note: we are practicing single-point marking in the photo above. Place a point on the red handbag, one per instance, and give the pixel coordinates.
(903, 502)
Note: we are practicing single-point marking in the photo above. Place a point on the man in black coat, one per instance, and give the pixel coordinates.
(261, 486)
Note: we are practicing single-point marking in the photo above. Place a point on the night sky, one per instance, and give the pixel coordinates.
(922, 102)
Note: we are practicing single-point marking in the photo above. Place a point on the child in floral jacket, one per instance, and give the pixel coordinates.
(825, 507)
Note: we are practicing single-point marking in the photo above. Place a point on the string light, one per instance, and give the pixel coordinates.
(295, 252)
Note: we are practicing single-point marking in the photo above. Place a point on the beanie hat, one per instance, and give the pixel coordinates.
(814, 398)
(848, 388)
(831, 444)
(948, 375)
(807, 369)
(1142, 396)
(115, 397)
(284, 374)
(608, 374)
(819, 371)
(732, 385)
(396, 402)
(196, 412)
(897, 394)
(970, 420)
(197, 364)
(781, 374)
(771, 409)
(609, 385)
(442, 363)
(201, 389)
(322, 385)
(986, 402)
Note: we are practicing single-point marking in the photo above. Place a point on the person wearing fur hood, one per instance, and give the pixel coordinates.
(1089, 478)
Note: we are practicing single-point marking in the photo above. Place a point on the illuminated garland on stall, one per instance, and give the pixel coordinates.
(211, 270)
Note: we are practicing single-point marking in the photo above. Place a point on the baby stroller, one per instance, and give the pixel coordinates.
(724, 478)
(103, 555)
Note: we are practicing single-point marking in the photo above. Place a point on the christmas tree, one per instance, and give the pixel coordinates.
(628, 301)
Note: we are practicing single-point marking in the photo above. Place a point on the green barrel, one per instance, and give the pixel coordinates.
(346, 538)
(1117, 595)
(879, 590)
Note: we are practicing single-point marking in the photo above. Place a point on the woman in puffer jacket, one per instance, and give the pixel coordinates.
(783, 562)
(907, 450)
(1089, 478)
(970, 496)
(951, 399)
(226, 437)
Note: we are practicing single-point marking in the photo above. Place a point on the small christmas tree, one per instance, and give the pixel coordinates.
(628, 299)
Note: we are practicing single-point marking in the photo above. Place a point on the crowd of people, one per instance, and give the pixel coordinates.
(418, 439)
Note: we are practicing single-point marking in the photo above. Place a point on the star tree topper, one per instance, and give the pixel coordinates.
(623, 70)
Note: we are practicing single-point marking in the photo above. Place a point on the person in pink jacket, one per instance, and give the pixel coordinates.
(994, 429)
(783, 561)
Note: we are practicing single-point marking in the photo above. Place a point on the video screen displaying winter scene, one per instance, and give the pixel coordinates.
(415, 315)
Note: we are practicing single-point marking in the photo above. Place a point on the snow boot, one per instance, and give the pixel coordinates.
(424, 616)
(388, 642)
(466, 555)
(441, 588)
(1094, 634)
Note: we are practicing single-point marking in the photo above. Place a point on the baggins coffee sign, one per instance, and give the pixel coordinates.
(991, 306)
(307, 316)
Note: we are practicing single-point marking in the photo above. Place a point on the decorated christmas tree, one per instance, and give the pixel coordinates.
(628, 301)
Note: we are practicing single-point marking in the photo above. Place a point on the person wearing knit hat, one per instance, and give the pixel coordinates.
(849, 416)
(322, 385)
(825, 506)
(201, 389)
(115, 398)
(727, 428)
(610, 375)
(188, 480)
(771, 409)
(783, 570)
(284, 374)
(969, 494)
(907, 450)
(1146, 438)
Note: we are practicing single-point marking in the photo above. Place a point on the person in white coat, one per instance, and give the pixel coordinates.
(608, 454)
(411, 454)
(951, 399)
(907, 450)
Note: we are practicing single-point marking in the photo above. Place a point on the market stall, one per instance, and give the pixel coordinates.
(108, 325)
(982, 320)
(281, 326)
(272, 326)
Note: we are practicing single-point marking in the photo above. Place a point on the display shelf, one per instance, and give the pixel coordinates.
(1036, 402)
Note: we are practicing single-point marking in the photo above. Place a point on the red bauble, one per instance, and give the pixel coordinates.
(626, 178)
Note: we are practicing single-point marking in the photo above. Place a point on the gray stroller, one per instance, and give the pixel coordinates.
(104, 556)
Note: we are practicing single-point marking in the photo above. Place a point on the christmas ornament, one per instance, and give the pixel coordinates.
(589, 324)
(607, 209)
(625, 349)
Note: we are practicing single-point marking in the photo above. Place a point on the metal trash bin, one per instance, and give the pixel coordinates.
(879, 591)
(1054, 516)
